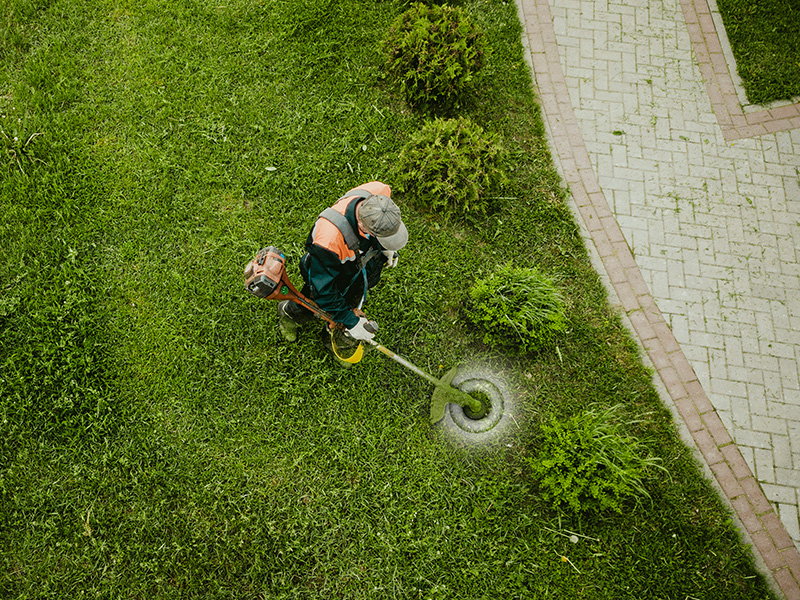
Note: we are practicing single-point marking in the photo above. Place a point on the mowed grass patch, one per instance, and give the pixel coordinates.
(765, 39)
(158, 436)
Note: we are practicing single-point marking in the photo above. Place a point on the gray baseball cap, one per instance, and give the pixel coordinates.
(380, 216)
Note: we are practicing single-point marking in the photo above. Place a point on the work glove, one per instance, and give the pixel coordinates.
(391, 258)
(363, 330)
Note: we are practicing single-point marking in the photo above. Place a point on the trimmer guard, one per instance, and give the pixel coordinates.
(354, 358)
(442, 396)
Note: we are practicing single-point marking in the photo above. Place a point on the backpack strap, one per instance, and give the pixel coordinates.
(341, 223)
(350, 238)
(344, 227)
(359, 193)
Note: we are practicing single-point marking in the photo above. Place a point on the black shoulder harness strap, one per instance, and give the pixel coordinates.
(344, 227)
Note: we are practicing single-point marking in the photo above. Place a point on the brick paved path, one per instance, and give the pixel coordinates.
(692, 203)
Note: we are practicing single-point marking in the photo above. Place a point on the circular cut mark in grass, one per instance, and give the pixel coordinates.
(466, 425)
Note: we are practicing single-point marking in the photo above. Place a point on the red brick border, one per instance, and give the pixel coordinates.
(734, 476)
(733, 121)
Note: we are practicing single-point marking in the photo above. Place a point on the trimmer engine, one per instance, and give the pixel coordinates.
(265, 275)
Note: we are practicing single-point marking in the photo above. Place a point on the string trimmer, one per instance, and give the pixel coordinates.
(266, 277)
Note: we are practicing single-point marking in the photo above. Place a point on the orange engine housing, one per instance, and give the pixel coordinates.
(265, 275)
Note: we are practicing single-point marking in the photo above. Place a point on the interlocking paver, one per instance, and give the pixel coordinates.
(789, 516)
(782, 452)
(779, 493)
(765, 466)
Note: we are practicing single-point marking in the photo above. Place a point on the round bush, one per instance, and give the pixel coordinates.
(435, 52)
(451, 166)
(517, 307)
(589, 464)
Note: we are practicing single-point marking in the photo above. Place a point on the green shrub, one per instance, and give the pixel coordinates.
(517, 307)
(589, 464)
(435, 52)
(450, 166)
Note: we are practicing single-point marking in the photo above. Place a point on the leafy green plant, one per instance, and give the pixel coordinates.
(590, 464)
(451, 166)
(517, 307)
(435, 52)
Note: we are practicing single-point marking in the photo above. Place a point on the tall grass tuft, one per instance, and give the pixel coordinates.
(517, 307)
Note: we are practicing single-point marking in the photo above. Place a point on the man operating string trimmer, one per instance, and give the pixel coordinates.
(346, 252)
(347, 249)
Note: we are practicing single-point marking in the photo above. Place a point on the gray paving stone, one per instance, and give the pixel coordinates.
(782, 453)
(787, 477)
(753, 439)
(789, 517)
(794, 437)
(675, 275)
(743, 375)
(729, 388)
(769, 424)
(765, 467)
(772, 385)
(777, 349)
(756, 396)
(740, 412)
(788, 367)
(780, 493)
(760, 362)
(787, 408)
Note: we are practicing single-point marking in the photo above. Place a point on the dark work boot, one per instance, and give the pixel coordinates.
(286, 324)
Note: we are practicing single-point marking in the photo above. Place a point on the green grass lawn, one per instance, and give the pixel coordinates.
(765, 39)
(158, 439)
